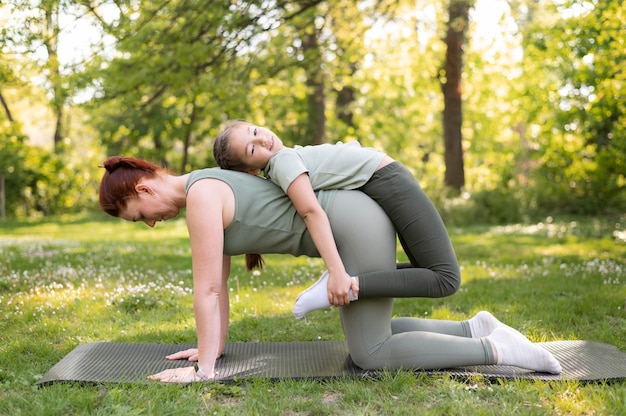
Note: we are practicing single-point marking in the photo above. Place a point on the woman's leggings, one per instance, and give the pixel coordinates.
(366, 241)
(435, 270)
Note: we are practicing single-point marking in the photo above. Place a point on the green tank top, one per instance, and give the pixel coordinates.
(265, 220)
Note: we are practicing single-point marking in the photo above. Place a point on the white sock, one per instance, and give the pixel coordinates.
(484, 323)
(517, 350)
(315, 297)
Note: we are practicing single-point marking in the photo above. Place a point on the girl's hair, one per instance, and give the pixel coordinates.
(222, 152)
(254, 261)
(119, 180)
(225, 158)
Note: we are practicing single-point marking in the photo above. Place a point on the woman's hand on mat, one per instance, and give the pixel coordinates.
(191, 354)
(177, 375)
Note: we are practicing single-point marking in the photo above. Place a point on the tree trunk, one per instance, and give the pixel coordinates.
(2, 198)
(451, 87)
(52, 45)
(316, 127)
(159, 150)
(188, 136)
(5, 106)
(58, 128)
(345, 97)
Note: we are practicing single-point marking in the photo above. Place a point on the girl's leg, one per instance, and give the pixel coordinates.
(433, 272)
(422, 233)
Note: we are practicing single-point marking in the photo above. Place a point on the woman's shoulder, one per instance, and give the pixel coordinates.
(237, 181)
(215, 173)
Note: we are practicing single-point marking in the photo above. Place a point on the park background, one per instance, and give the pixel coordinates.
(510, 114)
(504, 111)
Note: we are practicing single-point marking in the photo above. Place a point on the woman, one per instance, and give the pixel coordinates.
(231, 213)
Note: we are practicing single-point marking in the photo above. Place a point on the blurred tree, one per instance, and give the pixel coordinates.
(7, 78)
(5, 107)
(319, 51)
(34, 34)
(496, 146)
(571, 91)
(397, 91)
(315, 80)
(11, 141)
(163, 81)
(541, 122)
(450, 77)
(11, 164)
(309, 94)
(197, 61)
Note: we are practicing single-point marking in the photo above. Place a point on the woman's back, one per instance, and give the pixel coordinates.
(265, 220)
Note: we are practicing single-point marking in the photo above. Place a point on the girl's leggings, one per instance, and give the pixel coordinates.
(435, 271)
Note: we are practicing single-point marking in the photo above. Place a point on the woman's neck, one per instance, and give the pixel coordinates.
(179, 189)
(173, 188)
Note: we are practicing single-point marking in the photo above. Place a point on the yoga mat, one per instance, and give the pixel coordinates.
(113, 362)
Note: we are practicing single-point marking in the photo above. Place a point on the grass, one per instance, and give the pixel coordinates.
(75, 280)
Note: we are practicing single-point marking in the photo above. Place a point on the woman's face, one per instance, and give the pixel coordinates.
(149, 207)
(254, 145)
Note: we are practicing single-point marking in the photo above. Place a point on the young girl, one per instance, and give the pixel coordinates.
(300, 171)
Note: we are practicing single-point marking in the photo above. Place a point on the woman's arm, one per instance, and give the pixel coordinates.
(205, 205)
(209, 203)
(224, 305)
(303, 198)
(191, 354)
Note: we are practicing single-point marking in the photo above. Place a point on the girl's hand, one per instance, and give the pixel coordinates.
(339, 286)
(178, 375)
(191, 354)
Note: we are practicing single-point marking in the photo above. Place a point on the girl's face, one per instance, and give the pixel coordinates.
(149, 207)
(254, 146)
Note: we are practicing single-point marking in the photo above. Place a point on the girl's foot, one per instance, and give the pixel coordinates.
(484, 323)
(315, 297)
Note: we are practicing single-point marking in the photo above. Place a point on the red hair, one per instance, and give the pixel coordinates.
(119, 180)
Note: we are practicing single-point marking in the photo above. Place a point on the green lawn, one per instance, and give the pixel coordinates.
(85, 279)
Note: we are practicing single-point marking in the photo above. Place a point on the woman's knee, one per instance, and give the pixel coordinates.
(364, 361)
(367, 327)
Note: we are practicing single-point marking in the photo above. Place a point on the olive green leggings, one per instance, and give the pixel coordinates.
(434, 271)
(366, 242)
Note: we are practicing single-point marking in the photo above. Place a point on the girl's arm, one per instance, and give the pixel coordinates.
(303, 198)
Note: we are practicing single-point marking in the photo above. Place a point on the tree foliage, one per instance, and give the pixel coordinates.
(542, 98)
(578, 118)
